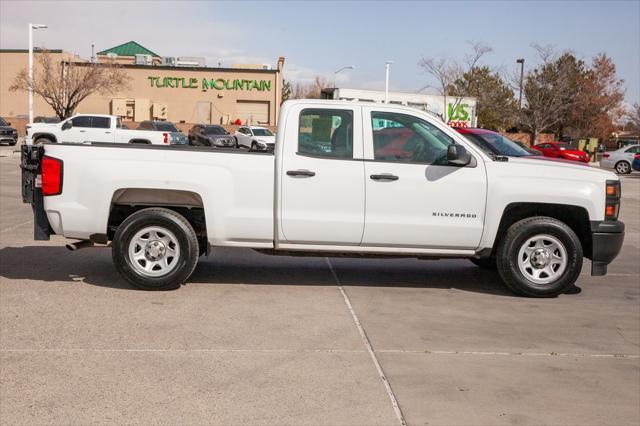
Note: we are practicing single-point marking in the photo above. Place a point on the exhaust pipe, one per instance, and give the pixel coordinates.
(79, 245)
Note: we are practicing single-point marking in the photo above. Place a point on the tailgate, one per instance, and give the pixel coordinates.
(30, 158)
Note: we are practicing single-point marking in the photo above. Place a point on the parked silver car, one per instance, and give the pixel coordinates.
(620, 160)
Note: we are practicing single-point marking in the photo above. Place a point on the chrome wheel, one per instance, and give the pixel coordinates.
(154, 251)
(623, 167)
(542, 259)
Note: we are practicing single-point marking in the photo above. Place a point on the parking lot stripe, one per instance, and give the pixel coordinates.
(15, 226)
(536, 354)
(367, 344)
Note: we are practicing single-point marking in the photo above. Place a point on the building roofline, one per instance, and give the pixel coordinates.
(35, 49)
(173, 68)
(106, 51)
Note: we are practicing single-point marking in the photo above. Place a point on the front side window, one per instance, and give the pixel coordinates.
(100, 122)
(166, 127)
(262, 132)
(215, 130)
(405, 138)
(328, 133)
(82, 121)
(2, 122)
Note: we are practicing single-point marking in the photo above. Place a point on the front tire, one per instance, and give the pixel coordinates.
(155, 249)
(623, 167)
(539, 257)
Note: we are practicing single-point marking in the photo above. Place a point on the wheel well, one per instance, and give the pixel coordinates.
(44, 135)
(576, 218)
(127, 201)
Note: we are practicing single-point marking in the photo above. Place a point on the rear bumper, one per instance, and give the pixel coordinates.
(607, 238)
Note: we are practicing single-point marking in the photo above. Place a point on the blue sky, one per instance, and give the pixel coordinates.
(319, 37)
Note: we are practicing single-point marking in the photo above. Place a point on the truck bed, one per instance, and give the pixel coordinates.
(239, 185)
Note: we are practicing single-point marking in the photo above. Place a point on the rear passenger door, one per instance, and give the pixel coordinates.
(100, 130)
(321, 173)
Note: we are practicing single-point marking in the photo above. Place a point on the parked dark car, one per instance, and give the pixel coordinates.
(176, 137)
(211, 135)
(636, 163)
(7, 133)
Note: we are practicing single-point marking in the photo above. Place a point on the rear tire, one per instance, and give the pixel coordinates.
(155, 249)
(623, 167)
(539, 257)
(42, 140)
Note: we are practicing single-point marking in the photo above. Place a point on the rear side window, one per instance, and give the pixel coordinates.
(82, 121)
(327, 133)
(100, 122)
(634, 150)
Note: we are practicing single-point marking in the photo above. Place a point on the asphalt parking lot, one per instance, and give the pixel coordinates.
(277, 340)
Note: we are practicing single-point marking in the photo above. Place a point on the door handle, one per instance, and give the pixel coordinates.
(306, 173)
(108, 133)
(384, 176)
(83, 131)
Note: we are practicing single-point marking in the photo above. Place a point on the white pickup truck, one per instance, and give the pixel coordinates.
(92, 128)
(346, 178)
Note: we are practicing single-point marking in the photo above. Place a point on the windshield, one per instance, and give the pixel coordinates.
(2, 122)
(214, 130)
(495, 143)
(262, 132)
(166, 127)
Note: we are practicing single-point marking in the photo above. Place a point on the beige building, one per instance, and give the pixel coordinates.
(188, 94)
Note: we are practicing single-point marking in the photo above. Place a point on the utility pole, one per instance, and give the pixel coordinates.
(31, 28)
(387, 65)
(521, 62)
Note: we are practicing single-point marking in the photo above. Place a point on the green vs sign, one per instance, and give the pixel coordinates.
(207, 84)
(458, 112)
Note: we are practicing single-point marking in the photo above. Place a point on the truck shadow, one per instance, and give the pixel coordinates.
(242, 266)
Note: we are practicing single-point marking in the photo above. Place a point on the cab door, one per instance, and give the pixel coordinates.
(415, 199)
(321, 176)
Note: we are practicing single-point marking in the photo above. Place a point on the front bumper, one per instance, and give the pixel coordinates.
(606, 237)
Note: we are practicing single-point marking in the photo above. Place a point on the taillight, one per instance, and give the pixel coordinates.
(51, 176)
(166, 137)
(612, 204)
(636, 157)
(605, 155)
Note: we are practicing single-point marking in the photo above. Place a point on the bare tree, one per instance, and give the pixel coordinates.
(446, 71)
(550, 91)
(311, 90)
(64, 85)
(634, 117)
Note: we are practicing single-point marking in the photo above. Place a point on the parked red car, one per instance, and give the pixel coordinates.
(562, 150)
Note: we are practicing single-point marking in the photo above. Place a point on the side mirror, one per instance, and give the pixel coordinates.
(457, 155)
(8, 123)
(67, 125)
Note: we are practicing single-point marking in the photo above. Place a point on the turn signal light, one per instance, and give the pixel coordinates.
(51, 176)
(612, 203)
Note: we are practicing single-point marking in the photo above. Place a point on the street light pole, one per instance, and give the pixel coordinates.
(349, 67)
(521, 62)
(31, 28)
(387, 64)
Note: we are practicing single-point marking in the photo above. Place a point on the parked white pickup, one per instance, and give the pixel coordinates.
(346, 178)
(91, 128)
